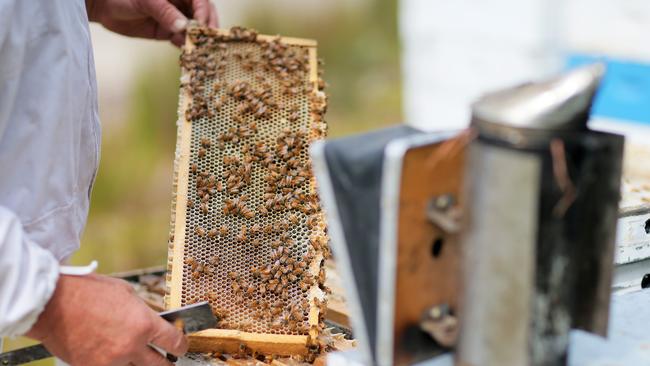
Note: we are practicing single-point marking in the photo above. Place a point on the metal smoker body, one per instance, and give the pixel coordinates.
(541, 194)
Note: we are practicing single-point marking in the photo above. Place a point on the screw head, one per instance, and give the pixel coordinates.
(443, 202)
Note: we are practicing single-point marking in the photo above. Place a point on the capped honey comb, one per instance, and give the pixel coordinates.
(247, 231)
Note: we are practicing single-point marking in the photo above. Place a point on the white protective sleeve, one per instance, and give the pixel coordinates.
(49, 149)
(28, 276)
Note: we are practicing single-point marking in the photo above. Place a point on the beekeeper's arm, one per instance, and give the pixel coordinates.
(28, 276)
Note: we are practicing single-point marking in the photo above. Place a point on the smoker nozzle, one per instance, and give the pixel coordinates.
(541, 108)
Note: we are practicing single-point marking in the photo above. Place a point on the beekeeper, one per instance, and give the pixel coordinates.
(49, 152)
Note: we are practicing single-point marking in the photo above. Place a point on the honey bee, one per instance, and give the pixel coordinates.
(228, 160)
(199, 231)
(212, 233)
(190, 260)
(214, 260)
(256, 242)
(276, 310)
(223, 230)
(304, 286)
(205, 142)
(262, 210)
(307, 258)
(321, 276)
(204, 208)
(247, 213)
(304, 304)
(255, 272)
(295, 312)
(272, 286)
(202, 152)
(194, 168)
(312, 221)
(219, 313)
(309, 280)
(256, 228)
(233, 275)
(250, 290)
(219, 186)
(190, 203)
(236, 287)
(293, 218)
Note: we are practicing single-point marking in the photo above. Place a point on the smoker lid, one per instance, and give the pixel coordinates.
(539, 108)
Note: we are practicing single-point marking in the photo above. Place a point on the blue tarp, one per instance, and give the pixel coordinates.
(625, 92)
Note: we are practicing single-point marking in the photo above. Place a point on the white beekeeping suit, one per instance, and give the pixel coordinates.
(49, 149)
(453, 51)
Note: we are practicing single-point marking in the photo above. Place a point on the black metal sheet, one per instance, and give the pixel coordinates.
(195, 317)
(355, 166)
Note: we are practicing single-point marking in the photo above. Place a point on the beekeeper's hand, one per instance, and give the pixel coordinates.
(157, 19)
(96, 320)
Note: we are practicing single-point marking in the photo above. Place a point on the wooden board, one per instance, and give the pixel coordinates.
(231, 341)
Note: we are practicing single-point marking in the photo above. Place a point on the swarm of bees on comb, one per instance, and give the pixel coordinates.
(248, 233)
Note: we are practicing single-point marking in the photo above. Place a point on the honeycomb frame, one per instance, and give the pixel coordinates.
(231, 338)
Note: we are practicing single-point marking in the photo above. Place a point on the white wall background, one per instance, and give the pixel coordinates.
(453, 51)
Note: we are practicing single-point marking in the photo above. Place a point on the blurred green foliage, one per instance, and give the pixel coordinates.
(130, 207)
(129, 216)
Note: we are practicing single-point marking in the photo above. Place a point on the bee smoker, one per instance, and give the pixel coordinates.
(541, 201)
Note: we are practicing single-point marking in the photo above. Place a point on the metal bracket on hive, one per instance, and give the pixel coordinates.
(420, 251)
